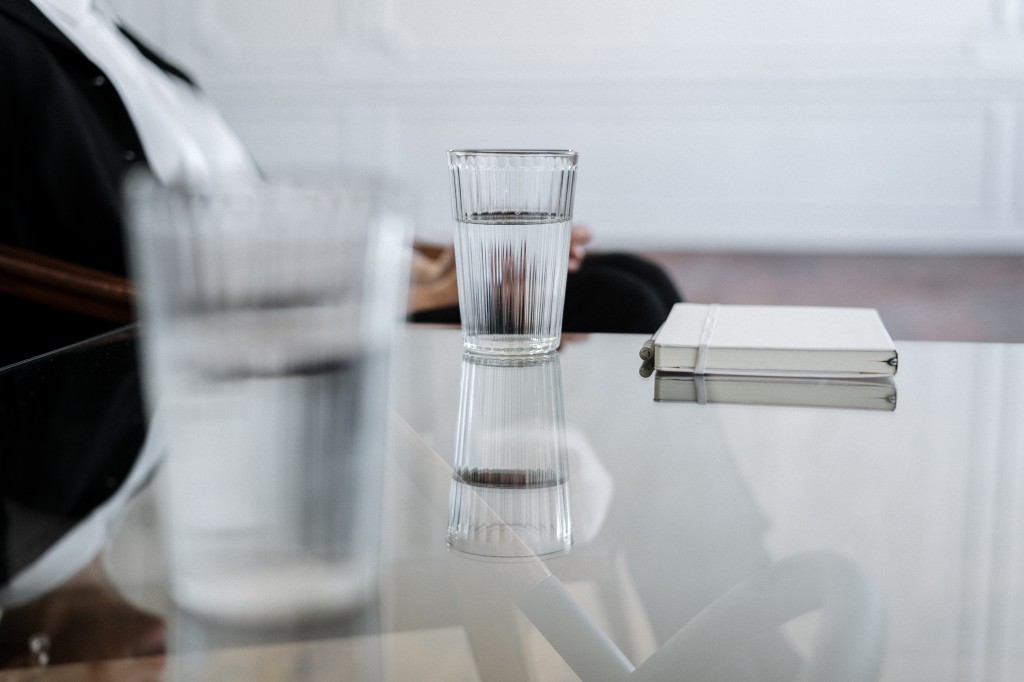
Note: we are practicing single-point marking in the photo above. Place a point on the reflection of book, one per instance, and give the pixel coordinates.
(864, 394)
(774, 341)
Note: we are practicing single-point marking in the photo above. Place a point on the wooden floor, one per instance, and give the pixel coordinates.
(943, 298)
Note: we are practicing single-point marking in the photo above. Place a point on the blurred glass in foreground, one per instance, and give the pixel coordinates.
(267, 312)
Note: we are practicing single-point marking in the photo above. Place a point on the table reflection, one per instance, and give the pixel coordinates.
(848, 394)
(610, 634)
(660, 569)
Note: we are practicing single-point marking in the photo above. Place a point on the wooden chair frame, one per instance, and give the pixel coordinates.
(66, 286)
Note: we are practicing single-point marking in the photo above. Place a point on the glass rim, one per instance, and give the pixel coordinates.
(140, 184)
(514, 152)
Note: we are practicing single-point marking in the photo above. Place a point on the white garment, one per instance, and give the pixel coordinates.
(184, 137)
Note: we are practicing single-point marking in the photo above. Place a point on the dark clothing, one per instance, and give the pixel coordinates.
(51, 478)
(30, 329)
(617, 293)
(66, 142)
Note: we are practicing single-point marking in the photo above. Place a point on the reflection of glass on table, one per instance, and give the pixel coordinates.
(510, 485)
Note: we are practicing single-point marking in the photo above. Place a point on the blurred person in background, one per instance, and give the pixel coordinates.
(83, 100)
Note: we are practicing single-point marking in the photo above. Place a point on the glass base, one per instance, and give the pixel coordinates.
(513, 550)
(510, 344)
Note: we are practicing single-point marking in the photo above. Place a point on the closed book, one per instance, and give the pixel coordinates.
(857, 394)
(770, 340)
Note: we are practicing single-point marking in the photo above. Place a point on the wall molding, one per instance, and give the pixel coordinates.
(792, 142)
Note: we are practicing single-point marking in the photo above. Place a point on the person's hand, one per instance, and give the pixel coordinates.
(432, 282)
(581, 235)
(91, 623)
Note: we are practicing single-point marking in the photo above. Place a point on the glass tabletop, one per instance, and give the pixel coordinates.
(718, 530)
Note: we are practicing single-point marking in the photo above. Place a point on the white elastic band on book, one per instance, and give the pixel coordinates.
(702, 390)
(705, 339)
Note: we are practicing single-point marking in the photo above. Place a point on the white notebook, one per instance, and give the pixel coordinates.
(768, 340)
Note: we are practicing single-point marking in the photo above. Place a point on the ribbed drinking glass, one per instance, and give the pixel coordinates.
(513, 220)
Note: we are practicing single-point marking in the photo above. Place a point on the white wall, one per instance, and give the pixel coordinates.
(878, 125)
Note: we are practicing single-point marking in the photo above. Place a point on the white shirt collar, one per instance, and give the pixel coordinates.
(72, 10)
(182, 135)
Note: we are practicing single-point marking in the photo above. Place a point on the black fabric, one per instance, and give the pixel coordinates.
(71, 426)
(618, 293)
(30, 329)
(66, 142)
(614, 293)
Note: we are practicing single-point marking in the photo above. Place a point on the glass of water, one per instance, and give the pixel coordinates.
(513, 220)
(266, 314)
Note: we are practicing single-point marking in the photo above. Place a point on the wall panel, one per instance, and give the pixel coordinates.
(735, 125)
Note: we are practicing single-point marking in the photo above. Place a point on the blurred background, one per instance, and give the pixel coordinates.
(798, 151)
